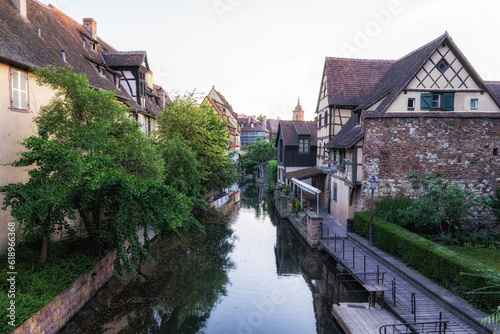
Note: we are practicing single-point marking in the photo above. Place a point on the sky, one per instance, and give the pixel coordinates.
(263, 55)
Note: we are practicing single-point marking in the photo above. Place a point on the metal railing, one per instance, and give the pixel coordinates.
(428, 327)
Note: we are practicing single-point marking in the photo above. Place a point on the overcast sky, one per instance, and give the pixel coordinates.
(263, 54)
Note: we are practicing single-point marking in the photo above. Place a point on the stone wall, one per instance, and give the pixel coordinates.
(54, 315)
(464, 149)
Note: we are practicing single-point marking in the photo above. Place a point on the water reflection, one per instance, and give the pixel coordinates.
(248, 273)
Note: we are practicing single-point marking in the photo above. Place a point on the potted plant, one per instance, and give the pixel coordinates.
(288, 190)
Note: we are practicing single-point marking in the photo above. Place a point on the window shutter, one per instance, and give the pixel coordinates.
(425, 101)
(448, 99)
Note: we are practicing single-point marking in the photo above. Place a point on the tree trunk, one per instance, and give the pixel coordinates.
(45, 242)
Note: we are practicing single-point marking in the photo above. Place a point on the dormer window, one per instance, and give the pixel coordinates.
(92, 47)
(303, 145)
(117, 81)
(252, 125)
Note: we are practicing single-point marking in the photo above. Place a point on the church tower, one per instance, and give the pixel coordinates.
(298, 112)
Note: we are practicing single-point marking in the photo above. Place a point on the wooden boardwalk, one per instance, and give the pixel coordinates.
(358, 318)
(403, 298)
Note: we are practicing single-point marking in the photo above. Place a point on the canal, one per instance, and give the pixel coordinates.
(248, 273)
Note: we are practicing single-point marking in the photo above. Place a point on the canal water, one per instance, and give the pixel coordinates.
(248, 273)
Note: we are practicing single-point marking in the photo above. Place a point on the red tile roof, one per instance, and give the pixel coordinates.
(350, 81)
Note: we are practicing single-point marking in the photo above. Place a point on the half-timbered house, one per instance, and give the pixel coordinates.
(225, 111)
(33, 35)
(429, 110)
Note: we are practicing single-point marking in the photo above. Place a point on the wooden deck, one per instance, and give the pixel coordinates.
(356, 318)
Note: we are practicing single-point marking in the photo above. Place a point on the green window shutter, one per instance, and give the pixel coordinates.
(448, 99)
(335, 192)
(425, 101)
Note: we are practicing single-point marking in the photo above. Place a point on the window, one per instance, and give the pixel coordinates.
(335, 192)
(303, 145)
(495, 152)
(19, 89)
(411, 104)
(474, 104)
(437, 101)
(442, 66)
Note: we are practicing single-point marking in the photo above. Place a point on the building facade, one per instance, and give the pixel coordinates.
(33, 35)
(296, 149)
(429, 110)
(225, 111)
(251, 129)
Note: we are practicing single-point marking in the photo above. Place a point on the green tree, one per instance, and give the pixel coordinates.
(261, 151)
(43, 203)
(181, 168)
(248, 165)
(90, 159)
(201, 131)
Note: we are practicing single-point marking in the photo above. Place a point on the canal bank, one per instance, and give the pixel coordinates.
(411, 297)
(248, 273)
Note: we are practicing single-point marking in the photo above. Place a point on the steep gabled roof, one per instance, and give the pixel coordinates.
(272, 125)
(259, 126)
(20, 45)
(350, 81)
(405, 69)
(494, 87)
(291, 130)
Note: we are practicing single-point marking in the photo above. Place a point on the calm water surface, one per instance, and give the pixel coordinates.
(247, 274)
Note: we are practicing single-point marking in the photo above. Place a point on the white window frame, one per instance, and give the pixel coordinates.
(474, 104)
(411, 104)
(19, 102)
(437, 101)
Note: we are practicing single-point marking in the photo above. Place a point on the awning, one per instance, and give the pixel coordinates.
(303, 174)
(310, 189)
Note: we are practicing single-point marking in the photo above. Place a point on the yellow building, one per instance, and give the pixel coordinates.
(34, 35)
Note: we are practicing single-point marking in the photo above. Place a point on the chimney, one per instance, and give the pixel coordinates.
(91, 26)
(20, 6)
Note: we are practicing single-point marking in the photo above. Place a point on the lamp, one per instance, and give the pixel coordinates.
(373, 183)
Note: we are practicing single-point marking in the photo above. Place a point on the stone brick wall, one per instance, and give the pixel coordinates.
(54, 315)
(462, 148)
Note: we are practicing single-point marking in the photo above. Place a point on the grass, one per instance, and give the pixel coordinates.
(37, 284)
(486, 256)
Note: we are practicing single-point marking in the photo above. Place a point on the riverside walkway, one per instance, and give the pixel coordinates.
(411, 297)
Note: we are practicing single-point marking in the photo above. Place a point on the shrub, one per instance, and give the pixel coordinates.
(288, 189)
(392, 209)
(434, 261)
(298, 206)
(293, 202)
(272, 172)
(493, 202)
(443, 206)
(38, 283)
